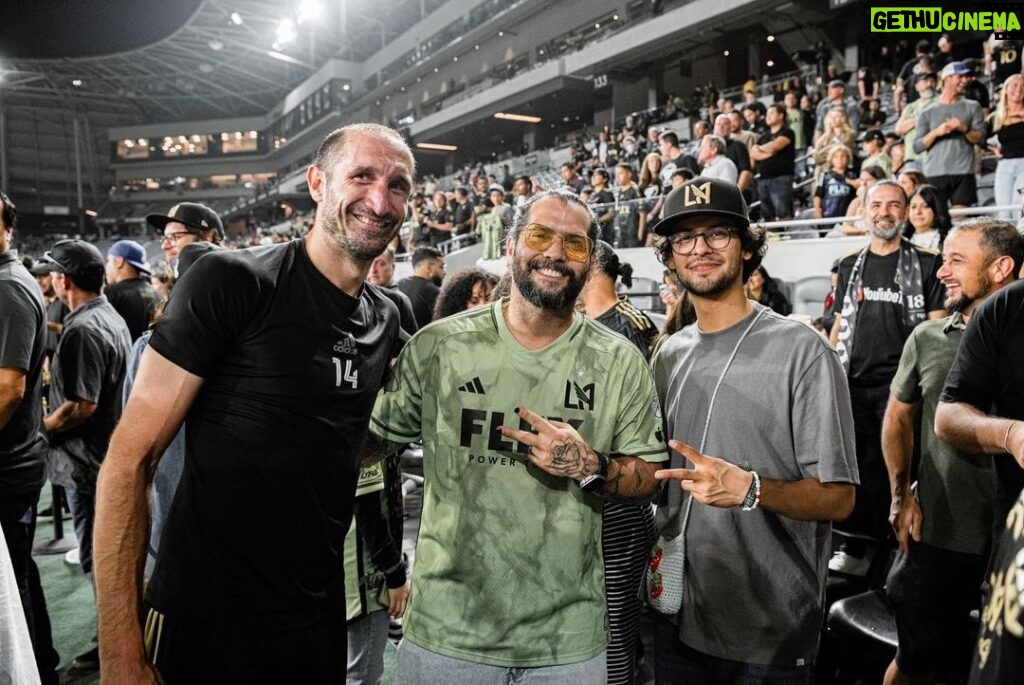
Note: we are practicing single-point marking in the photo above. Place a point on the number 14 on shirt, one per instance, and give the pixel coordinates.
(347, 375)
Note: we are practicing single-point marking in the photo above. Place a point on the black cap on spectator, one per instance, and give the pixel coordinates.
(702, 196)
(873, 134)
(195, 216)
(75, 258)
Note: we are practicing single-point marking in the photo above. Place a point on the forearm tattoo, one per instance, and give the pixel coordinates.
(625, 481)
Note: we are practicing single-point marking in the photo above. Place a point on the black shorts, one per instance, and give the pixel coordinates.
(959, 189)
(198, 652)
(932, 592)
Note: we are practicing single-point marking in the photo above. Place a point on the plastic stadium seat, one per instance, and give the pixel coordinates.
(809, 295)
(865, 623)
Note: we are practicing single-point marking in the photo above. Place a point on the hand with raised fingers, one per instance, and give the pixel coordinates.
(555, 447)
(711, 481)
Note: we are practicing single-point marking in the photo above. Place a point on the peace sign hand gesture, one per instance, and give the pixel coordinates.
(710, 481)
(556, 447)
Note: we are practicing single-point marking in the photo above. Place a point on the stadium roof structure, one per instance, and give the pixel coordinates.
(77, 69)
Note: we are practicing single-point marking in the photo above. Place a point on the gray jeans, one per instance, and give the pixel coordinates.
(418, 666)
(367, 637)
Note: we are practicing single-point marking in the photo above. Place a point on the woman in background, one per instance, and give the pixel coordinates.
(465, 289)
(1007, 125)
(928, 219)
(763, 289)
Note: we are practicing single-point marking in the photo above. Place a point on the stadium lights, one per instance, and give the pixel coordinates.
(90, 212)
(236, 18)
(77, 83)
(309, 9)
(437, 146)
(525, 118)
(286, 32)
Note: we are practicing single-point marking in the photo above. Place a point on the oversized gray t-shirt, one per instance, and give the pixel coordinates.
(755, 581)
(951, 154)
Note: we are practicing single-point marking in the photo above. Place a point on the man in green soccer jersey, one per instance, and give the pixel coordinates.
(527, 412)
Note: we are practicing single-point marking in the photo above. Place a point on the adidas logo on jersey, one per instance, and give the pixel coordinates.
(474, 386)
(346, 345)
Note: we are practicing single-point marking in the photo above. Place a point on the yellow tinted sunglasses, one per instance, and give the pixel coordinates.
(577, 248)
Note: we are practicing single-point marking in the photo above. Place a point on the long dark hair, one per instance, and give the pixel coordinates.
(942, 221)
(607, 262)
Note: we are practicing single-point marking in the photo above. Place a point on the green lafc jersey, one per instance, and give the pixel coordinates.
(508, 566)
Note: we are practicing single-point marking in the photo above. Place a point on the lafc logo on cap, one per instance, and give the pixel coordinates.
(697, 195)
(174, 212)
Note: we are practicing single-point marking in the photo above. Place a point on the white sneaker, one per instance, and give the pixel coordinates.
(841, 562)
(72, 557)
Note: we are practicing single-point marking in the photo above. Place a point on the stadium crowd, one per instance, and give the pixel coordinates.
(811, 427)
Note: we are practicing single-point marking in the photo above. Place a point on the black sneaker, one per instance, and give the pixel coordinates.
(89, 661)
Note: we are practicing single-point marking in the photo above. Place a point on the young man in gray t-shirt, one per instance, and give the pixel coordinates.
(768, 472)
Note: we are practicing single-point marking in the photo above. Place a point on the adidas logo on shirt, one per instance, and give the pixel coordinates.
(474, 386)
(346, 345)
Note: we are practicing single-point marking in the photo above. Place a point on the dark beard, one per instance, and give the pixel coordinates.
(559, 301)
(712, 288)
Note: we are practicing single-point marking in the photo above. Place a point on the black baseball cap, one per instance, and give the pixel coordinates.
(700, 196)
(75, 258)
(873, 134)
(195, 216)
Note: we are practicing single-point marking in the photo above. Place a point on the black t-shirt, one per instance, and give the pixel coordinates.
(683, 161)
(406, 316)
(135, 300)
(988, 373)
(783, 162)
(627, 217)
(739, 154)
(56, 312)
(291, 366)
(602, 202)
(999, 656)
(461, 216)
(90, 365)
(1006, 60)
(879, 333)
(440, 216)
(422, 293)
(22, 346)
(633, 324)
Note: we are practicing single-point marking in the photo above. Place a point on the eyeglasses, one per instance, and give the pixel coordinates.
(173, 238)
(686, 243)
(577, 247)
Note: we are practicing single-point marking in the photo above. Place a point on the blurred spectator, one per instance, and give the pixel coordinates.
(928, 220)
(572, 178)
(872, 145)
(949, 130)
(776, 159)
(913, 68)
(795, 120)
(465, 289)
(872, 115)
(834, 192)
(128, 288)
(944, 54)
(419, 214)
(381, 274)
(837, 131)
(754, 114)
(522, 189)
(714, 163)
(602, 200)
(737, 152)
(910, 180)
(630, 219)
(462, 213)
(673, 158)
(424, 284)
(184, 223)
(906, 125)
(439, 219)
(1003, 59)
(975, 89)
(763, 289)
(1007, 125)
(835, 96)
(56, 310)
(739, 132)
(867, 84)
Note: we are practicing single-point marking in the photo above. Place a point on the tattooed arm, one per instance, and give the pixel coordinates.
(557, 448)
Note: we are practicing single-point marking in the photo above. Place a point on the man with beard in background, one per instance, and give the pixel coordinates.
(275, 355)
(423, 286)
(529, 413)
(883, 292)
(944, 525)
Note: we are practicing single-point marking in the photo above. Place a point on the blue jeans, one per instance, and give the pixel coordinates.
(83, 513)
(418, 666)
(367, 637)
(677, 664)
(776, 196)
(1009, 179)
